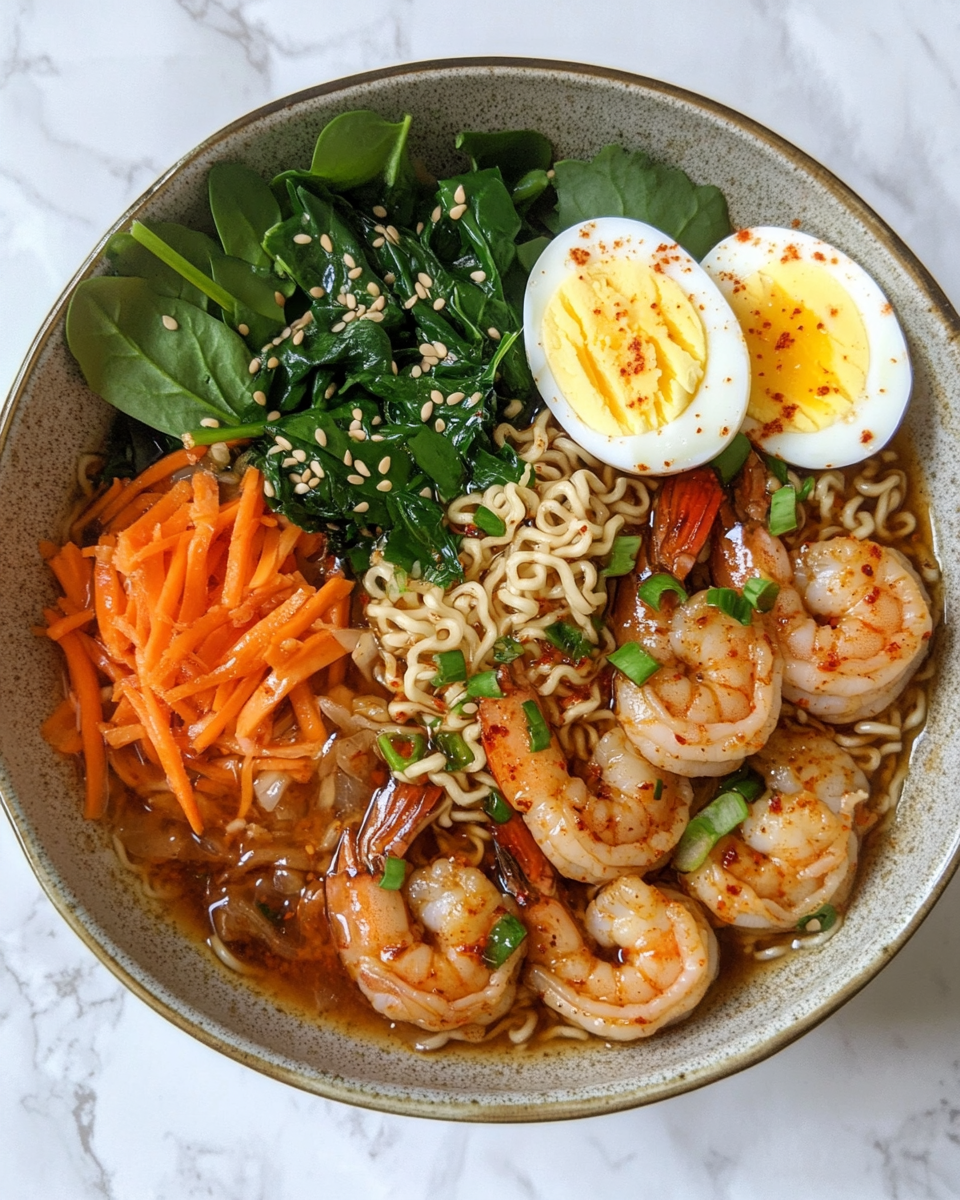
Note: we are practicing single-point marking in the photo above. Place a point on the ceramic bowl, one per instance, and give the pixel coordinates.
(50, 416)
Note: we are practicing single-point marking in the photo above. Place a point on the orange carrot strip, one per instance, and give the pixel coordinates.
(208, 731)
(246, 787)
(137, 535)
(93, 510)
(339, 619)
(86, 688)
(160, 736)
(267, 565)
(60, 729)
(163, 469)
(332, 592)
(167, 605)
(246, 524)
(318, 651)
(204, 510)
(109, 602)
(122, 735)
(114, 670)
(134, 511)
(186, 642)
(299, 770)
(74, 574)
(68, 624)
(307, 713)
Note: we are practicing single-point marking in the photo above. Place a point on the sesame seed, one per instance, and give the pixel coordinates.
(289, 461)
(362, 467)
(303, 239)
(383, 466)
(436, 396)
(455, 397)
(285, 334)
(475, 399)
(283, 443)
(268, 489)
(220, 453)
(350, 301)
(378, 242)
(390, 278)
(427, 364)
(376, 437)
(377, 421)
(342, 298)
(393, 235)
(355, 479)
(348, 316)
(375, 317)
(478, 276)
(260, 398)
(273, 363)
(373, 288)
(301, 489)
(411, 302)
(308, 479)
(384, 485)
(326, 243)
(426, 412)
(210, 423)
(254, 366)
(439, 303)
(460, 196)
(306, 319)
(298, 337)
(457, 212)
(318, 293)
(551, 173)
(242, 329)
(275, 342)
(319, 435)
(274, 415)
(349, 260)
(355, 273)
(354, 424)
(330, 392)
(357, 434)
(379, 303)
(436, 214)
(425, 491)
(425, 279)
(415, 372)
(380, 228)
(361, 309)
(419, 228)
(494, 333)
(300, 455)
(420, 290)
(274, 450)
(316, 468)
(280, 299)
(347, 458)
(379, 210)
(362, 507)
(394, 368)
(439, 424)
(439, 349)
(338, 327)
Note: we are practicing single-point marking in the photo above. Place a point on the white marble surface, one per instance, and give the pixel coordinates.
(102, 1098)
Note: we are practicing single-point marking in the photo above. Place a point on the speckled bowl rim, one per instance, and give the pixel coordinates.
(537, 1109)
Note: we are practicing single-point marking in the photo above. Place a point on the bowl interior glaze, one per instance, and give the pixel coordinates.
(50, 416)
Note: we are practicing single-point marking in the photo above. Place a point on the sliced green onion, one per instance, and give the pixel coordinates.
(504, 938)
(658, 789)
(707, 828)
(761, 593)
(731, 458)
(537, 728)
(487, 520)
(783, 511)
(598, 622)
(394, 873)
(497, 809)
(778, 468)
(484, 685)
(634, 662)
(506, 649)
(623, 556)
(390, 747)
(806, 489)
(746, 781)
(826, 916)
(451, 667)
(569, 640)
(732, 603)
(651, 590)
(458, 754)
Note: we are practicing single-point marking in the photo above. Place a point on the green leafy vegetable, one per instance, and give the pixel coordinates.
(623, 556)
(516, 152)
(484, 685)
(761, 593)
(783, 511)
(778, 468)
(394, 874)
(633, 661)
(732, 603)
(356, 147)
(243, 209)
(506, 649)
(806, 489)
(569, 640)
(451, 667)
(487, 520)
(731, 458)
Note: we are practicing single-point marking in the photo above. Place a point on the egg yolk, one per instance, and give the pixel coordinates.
(807, 345)
(625, 345)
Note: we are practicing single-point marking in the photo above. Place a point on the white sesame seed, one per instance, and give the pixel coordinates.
(357, 434)
(427, 364)
(376, 437)
(355, 273)
(274, 415)
(475, 399)
(361, 309)
(280, 299)
(318, 293)
(348, 316)
(254, 366)
(411, 302)
(394, 368)
(384, 485)
(362, 507)
(460, 196)
(210, 423)
(350, 301)
(220, 453)
(349, 260)
(420, 290)
(379, 303)
(338, 327)
(319, 435)
(354, 424)
(379, 210)
(455, 397)
(439, 303)
(316, 468)
(273, 363)
(436, 214)
(478, 276)
(378, 242)
(377, 421)
(289, 461)
(439, 424)
(242, 329)
(383, 466)
(494, 333)
(342, 298)
(390, 278)
(426, 412)
(380, 228)
(439, 349)
(283, 443)
(268, 489)
(436, 396)
(260, 398)
(362, 467)
(298, 337)
(425, 279)
(302, 239)
(393, 235)
(415, 372)
(307, 318)
(275, 342)
(419, 228)
(347, 458)
(373, 288)
(375, 317)
(457, 212)
(551, 173)
(274, 450)
(301, 489)
(300, 455)
(426, 492)
(285, 334)
(326, 243)
(355, 479)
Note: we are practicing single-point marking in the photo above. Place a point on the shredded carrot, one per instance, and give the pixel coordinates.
(68, 624)
(86, 688)
(177, 461)
(339, 619)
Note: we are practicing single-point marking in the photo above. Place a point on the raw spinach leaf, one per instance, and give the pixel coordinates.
(514, 151)
(243, 209)
(132, 447)
(528, 188)
(505, 466)
(618, 183)
(529, 252)
(128, 257)
(169, 379)
(358, 146)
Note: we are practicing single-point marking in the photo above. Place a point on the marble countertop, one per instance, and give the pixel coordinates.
(100, 1096)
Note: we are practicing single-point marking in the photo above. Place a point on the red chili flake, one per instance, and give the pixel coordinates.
(776, 804)
(867, 569)
(743, 235)
(579, 256)
(866, 437)
(784, 341)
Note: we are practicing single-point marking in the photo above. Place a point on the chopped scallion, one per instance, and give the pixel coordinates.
(634, 662)
(732, 603)
(537, 728)
(783, 511)
(504, 939)
(394, 873)
(484, 685)
(393, 746)
(451, 744)
(823, 919)
(778, 468)
(746, 781)
(761, 593)
(651, 590)
(805, 489)
(451, 667)
(707, 828)
(623, 556)
(658, 789)
(506, 649)
(488, 521)
(731, 458)
(497, 809)
(569, 640)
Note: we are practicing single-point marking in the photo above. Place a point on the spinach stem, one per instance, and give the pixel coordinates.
(156, 245)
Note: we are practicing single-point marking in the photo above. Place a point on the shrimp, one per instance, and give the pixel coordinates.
(797, 850)
(665, 954)
(852, 630)
(628, 823)
(416, 953)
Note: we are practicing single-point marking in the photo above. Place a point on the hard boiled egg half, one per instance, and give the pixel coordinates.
(634, 348)
(830, 372)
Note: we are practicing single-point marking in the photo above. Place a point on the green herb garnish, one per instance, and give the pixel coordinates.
(451, 668)
(761, 593)
(458, 754)
(652, 589)
(538, 731)
(487, 520)
(569, 640)
(706, 829)
(633, 661)
(731, 458)
(783, 511)
(394, 873)
(825, 916)
(623, 556)
(731, 603)
(401, 750)
(484, 685)
(504, 939)
(497, 809)
(778, 468)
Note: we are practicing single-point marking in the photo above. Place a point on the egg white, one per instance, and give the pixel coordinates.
(716, 411)
(878, 410)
